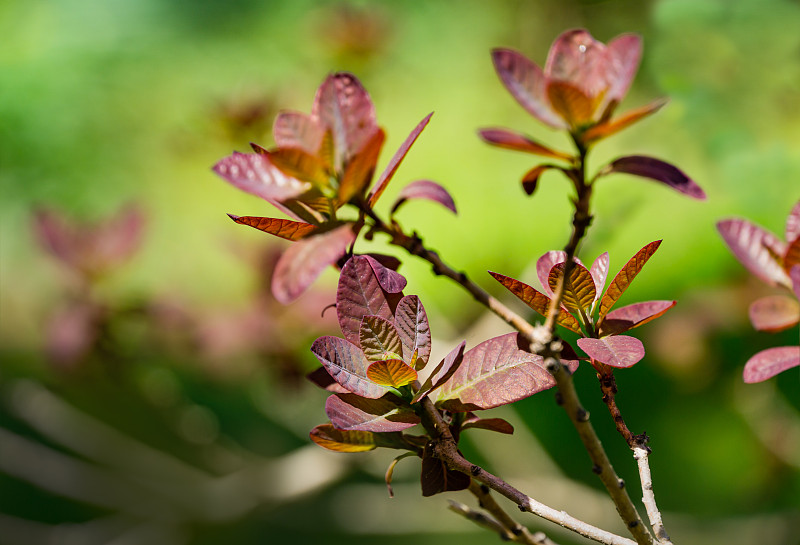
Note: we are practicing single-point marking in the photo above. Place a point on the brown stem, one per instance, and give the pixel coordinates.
(608, 385)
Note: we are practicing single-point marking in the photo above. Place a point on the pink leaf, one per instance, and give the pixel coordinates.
(303, 262)
(751, 245)
(768, 363)
(599, 272)
(514, 141)
(618, 351)
(425, 189)
(774, 313)
(446, 368)
(297, 130)
(625, 318)
(580, 60)
(412, 326)
(354, 413)
(390, 280)
(254, 174)
(655, 169)
(545, 264)
(794, 274)
(346, 365)
(793, 223)
(624, 52)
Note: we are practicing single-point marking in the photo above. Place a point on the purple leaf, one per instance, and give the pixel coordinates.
(753, 247)
(379, 339)
(297, 130)
(793, 223)
(412, 326)
(495, 372)
(425, 189)
(394, 163)
(437, 477)
(619, 351)
(794, 274)
(324, 380)
(545, 264)
(303, 262)
(254, 174)
(504, 138)
(346, 365)
(655, 169)
(354, 413)
(625, 318)
(599, 272)
(390, 280)
(768, 363)
(492, 424)
(774, 313)
(446, 368)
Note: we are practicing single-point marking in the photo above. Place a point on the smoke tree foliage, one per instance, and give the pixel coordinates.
(384, 390)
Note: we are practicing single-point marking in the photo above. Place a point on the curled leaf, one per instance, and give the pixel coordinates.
(531, 178)
(326, 436)
(617, 351)
(768, 363)
(425, 189)
(655, 169)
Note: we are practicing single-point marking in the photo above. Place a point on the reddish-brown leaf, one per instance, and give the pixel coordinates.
(570, 103)
(504, 138)
(286, 229)
(437, 477)
(579, 288)
(537, 301)
(625, 318)
(324, 380)
(602, 130)
(379, 339)
(618, 351)
(492, 424)
(754, 247)
(358, 172)
(256, 175)
(425, 189)
(546, 263)
(412, 326)
(531, 178)
(355, 413)
(625, 277)
(326, 436)
(345, 363)
(768, 363)
(774, 313)
(792, 255)
(442, 372)
(390, 280)
(658, 170)
(392, 373)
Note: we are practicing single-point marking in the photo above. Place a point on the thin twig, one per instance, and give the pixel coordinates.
(642, 456)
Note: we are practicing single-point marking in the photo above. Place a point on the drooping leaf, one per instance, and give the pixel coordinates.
(412, 326)
(531, 178)
(392, 373)
(625, 276)
(360, 294)
(537, 301)
(658, 170)
(793, 224)
(774, 313)
(617, 351)
(437, 477)
(390, 280)
(752, 246)
(612, 126)
(286, 229)
(625, 318)
(570, 103)
(768, 363)
(504, 138)
(792, 255)
(326, 436)
(599, 273)
(303, 262)
(579, 287)
(390, 471)
(379, 339)
(394, 163)
(492, 424)
(324, 380)
(442, 372)
(254, 174)
(425, 189)
(345, 363)
(354, 413)
(297, 130)
(358, 173)
(495, 372)
(299, 164)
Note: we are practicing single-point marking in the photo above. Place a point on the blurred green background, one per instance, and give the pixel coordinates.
(189, 425)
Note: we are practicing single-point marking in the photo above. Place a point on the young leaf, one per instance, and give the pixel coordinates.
(607, 128)
(751, 245)
(492, 424)
(360, 169)
(531, 178)
(391, 373)
(503, 138)
(326, 436)
(579, 288)
(303, 262)
(412, 326)
(655, 169)
(546, 263)
(617, 351)
(254, 174)
(286, 229)
(495, 372)
(394, 163)
(443, 372)
(793, 224)
(599, 273)
(625, 277)
(437, 477)
(537, 301)
(355, 413)
(379, 339)
(390, 280)
(570, 102)
(345, 363)
(425, 189)
(768, 363)
(625, 318)
(794, 274)
(299, 164)
(297, 130)
(792, 255)
(774, 313)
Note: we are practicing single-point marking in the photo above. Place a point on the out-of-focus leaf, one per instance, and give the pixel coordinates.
(425, 189)
(504, 138)
(625, 276)
(570, 102)
(299, 164)
(768, 363)
(287, 229)
(379, 339)
(360, 294)
(751, 245)
(495, 372)
(579, 288)
(612, 126)
(599, 273)
(794, 275)
(625, 318)
(443, 372)
(256, 175)
(617, 351)
(326, 436)
(792, 255)
(297, 130)
(391, 373)
(436, 477)
(390, 471)
(537, 301)
(394, 163)
(531, 178)
(72, 333)
(303, 262)
(624, 53)
(412, 326)
(346, 365)
(774, 313)
(360, 169)
(658, 170)
(355, 413)
(324, 380)
(793, 223)
(492, 424)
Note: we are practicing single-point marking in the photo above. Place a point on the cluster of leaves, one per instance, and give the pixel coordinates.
(379, 373)
(586, 310)
(776, 262)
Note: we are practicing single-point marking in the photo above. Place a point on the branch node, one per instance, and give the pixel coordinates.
(581, 415)
(559, 398)
(475, 470)
(517, 530)
(522, 508)
(596, 469)
(621, 484)
(633, 524)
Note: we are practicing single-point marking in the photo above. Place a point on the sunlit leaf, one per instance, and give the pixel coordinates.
(442, 372)
(751, 245)
(607, 128)
(254, 174)
(392, 373)
(412, 326)
(793, 223)
(437, 477)
(774, 313)
(324, 380)
(299, 164)
(599, 273)
(345, 363)
(425, 189)
(617, 351)
(579, 287)
(625, 318)
(658, 170)
(570, 102)
(531, 178)
(394, 163)
(379, 339)
(355, 413)
(297, 130)
(390, 280)
(286, 229)
(495, 372)
(504, 138)
(546, 263)
(358, 173)
(326, 436)
(625, 276)
(303, 262)
(537, 301)
(492, 424)
(768, 363)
